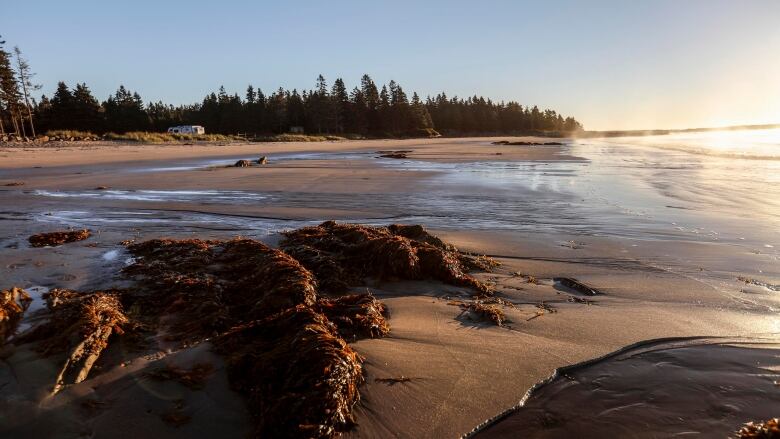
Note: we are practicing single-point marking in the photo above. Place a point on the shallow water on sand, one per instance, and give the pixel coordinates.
(638, 191)
(701, 390)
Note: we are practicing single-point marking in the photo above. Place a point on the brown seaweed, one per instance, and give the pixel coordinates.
(760, 430)
(284, 348)
(382, 252)
(283, 342)
(213, 284)
(58, 238)
(194, 378)
(82, 324)
(300, 377)
(484, 310)
(356, 315)
(13, 304)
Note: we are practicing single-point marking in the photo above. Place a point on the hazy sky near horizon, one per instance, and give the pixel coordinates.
(611, 64)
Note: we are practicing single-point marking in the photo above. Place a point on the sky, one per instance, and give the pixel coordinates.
(611, 64)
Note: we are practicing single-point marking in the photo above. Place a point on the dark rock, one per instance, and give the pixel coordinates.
(577, 286)
(394, 155)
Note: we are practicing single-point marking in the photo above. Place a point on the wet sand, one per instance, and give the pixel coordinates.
(656, 282)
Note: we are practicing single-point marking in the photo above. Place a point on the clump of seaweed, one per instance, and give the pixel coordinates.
(751, 281)
(13, 304)
(760, 430)
(300, 377)
(58, 238)
(213, 284)
(363, 251)
(479, 262)
(283, 343)
(82, 324)
(542, 309)
(356, 315)
(284, 348)
(486, 310)
(194, 378)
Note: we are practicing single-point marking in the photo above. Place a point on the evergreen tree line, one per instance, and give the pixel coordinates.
(365, 110)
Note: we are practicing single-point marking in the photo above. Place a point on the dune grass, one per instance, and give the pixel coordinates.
(289, 137)
(149, 137)
(76, 134)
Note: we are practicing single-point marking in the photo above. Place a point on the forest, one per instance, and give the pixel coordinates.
(366, 110)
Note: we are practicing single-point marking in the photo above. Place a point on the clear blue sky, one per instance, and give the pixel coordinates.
(612, 64)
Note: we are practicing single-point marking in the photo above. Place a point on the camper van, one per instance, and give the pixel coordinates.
(187, 129)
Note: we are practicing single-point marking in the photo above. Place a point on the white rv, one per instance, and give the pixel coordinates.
(187, 129)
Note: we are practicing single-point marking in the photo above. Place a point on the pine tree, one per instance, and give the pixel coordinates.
(26, 84)
(85, 110)
(340, 105)
(320, 108)
(125, 112)
(371, 96)
(10, 97)
(61, 107)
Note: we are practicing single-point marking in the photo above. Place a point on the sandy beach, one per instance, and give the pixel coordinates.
(662, 266)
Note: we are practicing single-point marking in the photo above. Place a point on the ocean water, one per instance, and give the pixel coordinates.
(718, 189)
(746, 144)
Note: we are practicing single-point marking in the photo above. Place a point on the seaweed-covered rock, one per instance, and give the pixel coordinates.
(58, 238)
(300, 377)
